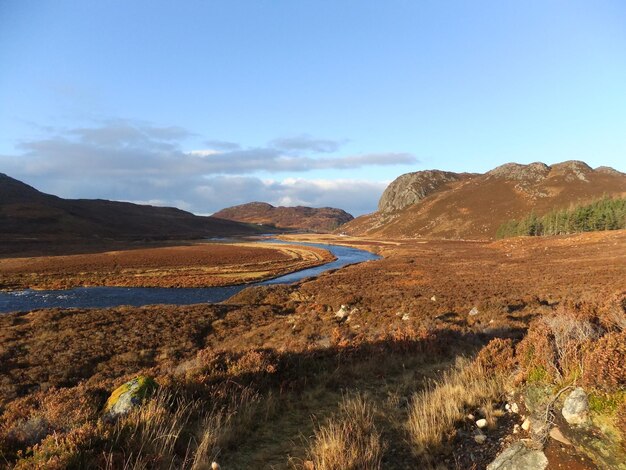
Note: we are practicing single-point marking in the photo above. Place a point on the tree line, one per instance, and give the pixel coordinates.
(604, 214)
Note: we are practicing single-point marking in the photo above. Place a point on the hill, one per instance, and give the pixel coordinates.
(451, 205)
(26, 213)
(324, 219)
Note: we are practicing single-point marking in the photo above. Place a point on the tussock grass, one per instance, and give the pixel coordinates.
(172, 432)
(350, 440)
(435, 410)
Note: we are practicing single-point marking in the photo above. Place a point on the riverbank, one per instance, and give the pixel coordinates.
(192, 265)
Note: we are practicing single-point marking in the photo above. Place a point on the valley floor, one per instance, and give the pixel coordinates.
(288, 356)
(193, 265)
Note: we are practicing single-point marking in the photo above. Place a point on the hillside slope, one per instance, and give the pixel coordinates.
(28, 213)
(324, 219)
(474, 206)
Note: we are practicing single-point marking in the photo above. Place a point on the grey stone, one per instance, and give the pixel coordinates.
(480, 438)
(576, 407)
(411, 188)
(519, 457)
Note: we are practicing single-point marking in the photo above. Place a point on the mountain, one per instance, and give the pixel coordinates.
(451, 205)
(28, 213)
(324, 219)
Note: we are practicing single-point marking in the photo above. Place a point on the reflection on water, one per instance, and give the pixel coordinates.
(88, 297)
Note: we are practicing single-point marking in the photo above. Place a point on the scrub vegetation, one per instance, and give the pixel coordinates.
(436, 336)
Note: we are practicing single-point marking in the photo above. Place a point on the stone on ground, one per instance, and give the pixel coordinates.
(342, 312)
(557, 435)
(576, 407)
(480, 438)
(129, 395)
(519, 457)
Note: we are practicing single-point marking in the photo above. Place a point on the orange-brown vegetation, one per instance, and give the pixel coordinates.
(196, 265)
(604, 366)
(324, 219)
(474, 206)
(258, 381)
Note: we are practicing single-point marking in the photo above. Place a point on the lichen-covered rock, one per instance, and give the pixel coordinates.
(129, 395)
(519, 457)
(576, 407)
(411, 188)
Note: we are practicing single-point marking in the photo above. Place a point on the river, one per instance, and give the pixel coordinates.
(100, 297)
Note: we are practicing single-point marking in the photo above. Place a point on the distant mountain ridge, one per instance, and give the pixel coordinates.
(324, 219)
(435, 203)
(28, 213)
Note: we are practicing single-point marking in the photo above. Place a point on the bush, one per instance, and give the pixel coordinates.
(605, 363)
(498, 355)
(556, 346)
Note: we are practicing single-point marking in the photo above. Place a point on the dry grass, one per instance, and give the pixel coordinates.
(349, 441)
(169, 431)
(435, 410)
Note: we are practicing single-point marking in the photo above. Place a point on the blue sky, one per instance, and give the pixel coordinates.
(205, 104)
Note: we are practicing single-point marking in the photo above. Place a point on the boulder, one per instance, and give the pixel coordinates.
(519, 457)
(481, 423)
(129, 395)
(474, 311)
(576, 407)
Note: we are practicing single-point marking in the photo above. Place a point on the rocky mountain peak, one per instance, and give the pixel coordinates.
(411, 188)
(515, 171)
(608, 170)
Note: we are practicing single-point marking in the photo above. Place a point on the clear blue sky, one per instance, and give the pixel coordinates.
(203, 104)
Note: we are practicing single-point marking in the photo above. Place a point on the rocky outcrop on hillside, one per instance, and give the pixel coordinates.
(514, 171)
(411, 188)
(324, 219)
(452, 205)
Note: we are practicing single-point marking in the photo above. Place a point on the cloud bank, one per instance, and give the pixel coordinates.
(142, 163)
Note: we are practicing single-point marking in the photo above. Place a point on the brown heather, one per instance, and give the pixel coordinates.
(241, 381)
(605, 363)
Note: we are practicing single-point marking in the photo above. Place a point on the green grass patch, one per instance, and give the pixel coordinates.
(538, 375)
(606, 403)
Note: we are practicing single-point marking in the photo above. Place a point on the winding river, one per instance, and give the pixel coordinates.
(99, 297)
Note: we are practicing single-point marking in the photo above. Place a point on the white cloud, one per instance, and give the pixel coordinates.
(126, 160)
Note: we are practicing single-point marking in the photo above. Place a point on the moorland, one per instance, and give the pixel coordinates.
(444, 354)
